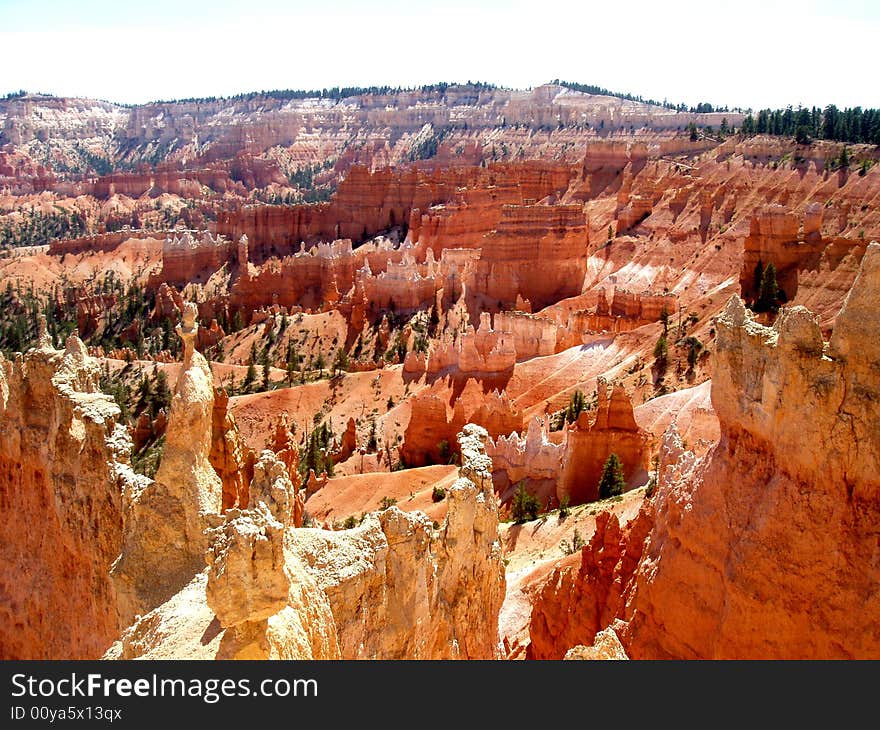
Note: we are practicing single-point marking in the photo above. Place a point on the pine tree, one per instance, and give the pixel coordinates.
(576, 405)
(758, 276)
(162, 396)
(612, 481)
(249, 377)
(661, 352)
(372, 439)
(525, 506)
(340, 361)
(768, 295)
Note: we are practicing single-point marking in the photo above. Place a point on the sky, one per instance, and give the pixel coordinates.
(746, 53)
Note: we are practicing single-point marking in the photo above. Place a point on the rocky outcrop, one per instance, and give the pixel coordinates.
(185, 627)
(230, 456)
(606, 646)
(532, 458)
(287, 453)
(63, 469)
(347, 442)
(264, 604)
(247, 581)
(432, 422)
(590, 441)
(398, 590)
(577, 601)
(537, 252)
(164, 539)
(391, 588)
(102, 242)
(764, 548)
(272, 485)
(788, 241)
(186, 258)
(484, 351)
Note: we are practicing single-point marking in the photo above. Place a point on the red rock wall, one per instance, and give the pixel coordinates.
(60, 515)
(101, 242)
(764, 548)
(368, 202)
(779, 236)
(537, 252)
(432, 422)
(589, 443)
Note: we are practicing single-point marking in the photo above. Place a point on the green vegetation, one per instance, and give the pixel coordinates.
(577, 403)
(564, 509)
(768, 291)
(387, 502)
(525, 506)
(426, 147)
(612, 481)
(701, 108)
(304, 180)
(570, 547)
(126, 323)
(661, 353)
(854, 125)
(694, 348)
(337, 93)
(37, 228)
(372, 439)
(438, 494)
(315, 455)
(146, 461)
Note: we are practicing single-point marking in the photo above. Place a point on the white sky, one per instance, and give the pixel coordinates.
(744, 53)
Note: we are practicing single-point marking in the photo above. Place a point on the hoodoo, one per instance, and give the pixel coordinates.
(450, 372)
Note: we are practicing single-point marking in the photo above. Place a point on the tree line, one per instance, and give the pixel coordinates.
(701, 108)
(335, 93)
(855, 125)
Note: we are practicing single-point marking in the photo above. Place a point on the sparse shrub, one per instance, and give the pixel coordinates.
(564, 510)
(572, 546)
(438, 494)
(350, 522)
(695, 347)
(387, 502)
(525, 505)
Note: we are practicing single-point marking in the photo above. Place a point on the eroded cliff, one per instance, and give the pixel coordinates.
(765, 547)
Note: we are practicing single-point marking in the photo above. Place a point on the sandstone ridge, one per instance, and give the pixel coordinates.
(785, 503)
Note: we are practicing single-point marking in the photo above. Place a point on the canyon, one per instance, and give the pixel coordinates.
(273, 389)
